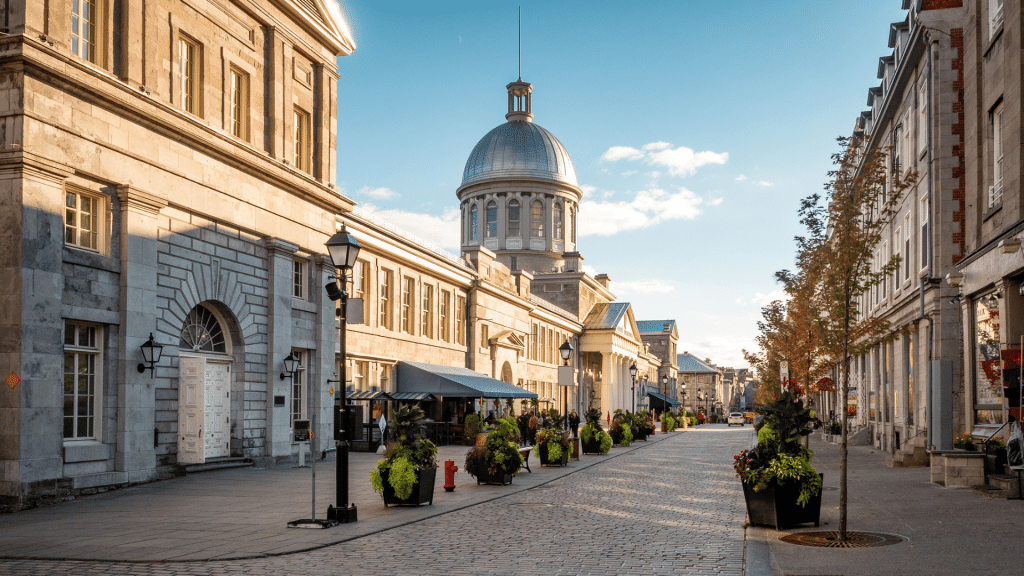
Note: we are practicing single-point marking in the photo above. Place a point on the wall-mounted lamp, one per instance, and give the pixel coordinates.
(954, 279)
(290, 366)
(1009, 245)
(151, 352)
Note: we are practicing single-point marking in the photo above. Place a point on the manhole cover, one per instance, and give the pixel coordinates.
(830, 539)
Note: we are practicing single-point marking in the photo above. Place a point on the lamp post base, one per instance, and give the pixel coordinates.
(342, 515)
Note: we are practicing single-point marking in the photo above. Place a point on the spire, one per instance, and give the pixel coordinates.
(520, 93)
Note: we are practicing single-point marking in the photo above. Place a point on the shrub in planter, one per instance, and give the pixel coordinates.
(552, 446)
(621, 430)
(498, 460)
(782, 464)
(471, 428)
(594, 439)
(406, 461)
(642, 426)
(670, 422)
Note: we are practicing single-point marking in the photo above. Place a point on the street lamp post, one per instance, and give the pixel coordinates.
(343, 249)
(565, 350)
(685, 405)
(632, 377)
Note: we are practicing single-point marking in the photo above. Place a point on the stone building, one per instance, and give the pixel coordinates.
(700, 383)
(169, 178)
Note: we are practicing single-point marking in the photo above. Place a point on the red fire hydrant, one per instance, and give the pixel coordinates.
(449, 475)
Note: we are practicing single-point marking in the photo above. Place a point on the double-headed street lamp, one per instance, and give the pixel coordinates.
(344, 249)
(632, 377)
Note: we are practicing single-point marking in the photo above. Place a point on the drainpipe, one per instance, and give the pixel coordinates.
(929, 74)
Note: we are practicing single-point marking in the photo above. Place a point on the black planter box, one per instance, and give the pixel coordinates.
(592, 446)
(776, 506)
(497, 479)
(542, 454)
(422, 490)
(640, 435)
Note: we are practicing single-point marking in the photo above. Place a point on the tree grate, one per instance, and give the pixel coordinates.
(830, 539)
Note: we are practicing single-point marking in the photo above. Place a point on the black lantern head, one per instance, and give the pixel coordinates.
(151, 353)
(565, 350)
(290, 366)
(344, 249)
(632, 370)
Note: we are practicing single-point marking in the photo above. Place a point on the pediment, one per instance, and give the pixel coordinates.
(507, 339)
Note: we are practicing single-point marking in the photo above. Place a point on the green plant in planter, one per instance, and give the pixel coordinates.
(642, 423)
(621, 430)
(499, 456)
(779, 456)
(592, 430)
(406, 455)
(555, 441)
(472, 427)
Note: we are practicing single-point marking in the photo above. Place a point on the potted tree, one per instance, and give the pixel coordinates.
(593, 439)
(780, 486)
(407, 473)
(498, 459)
(553, 442)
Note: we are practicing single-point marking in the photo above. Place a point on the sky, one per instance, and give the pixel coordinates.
(695, 127)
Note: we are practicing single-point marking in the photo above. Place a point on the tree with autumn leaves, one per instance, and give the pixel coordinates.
(820, 325)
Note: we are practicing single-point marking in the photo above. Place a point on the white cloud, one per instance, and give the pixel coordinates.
(442, 231)
(589, 270)
(765, 184)
(715, 202)
(616, 153)
(741, 178)
(647, 208)
(641, 287)
(681, 161)
(587, 189)
(765, 299)
(628, 173)
(378, 193)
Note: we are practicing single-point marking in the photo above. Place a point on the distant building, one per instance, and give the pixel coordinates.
(700, 383)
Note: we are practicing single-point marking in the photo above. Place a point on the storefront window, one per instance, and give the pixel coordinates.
(988, 382)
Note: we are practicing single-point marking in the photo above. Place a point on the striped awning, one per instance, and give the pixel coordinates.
(418, 396)
(368, 396)
(451, 381)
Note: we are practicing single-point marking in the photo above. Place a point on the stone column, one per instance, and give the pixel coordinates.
(279, 342)
(31, 280)
(136, 398)
(320, 402)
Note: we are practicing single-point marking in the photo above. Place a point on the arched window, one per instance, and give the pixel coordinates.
(513, 218)
(537, 219)
(473, 222)
(572, 224)
(492, 220)
(558, 221)
(202, 332)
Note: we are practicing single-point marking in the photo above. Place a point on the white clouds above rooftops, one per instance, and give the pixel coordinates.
(681, 161)
(641, 287)
(442, 231)
(647, 208)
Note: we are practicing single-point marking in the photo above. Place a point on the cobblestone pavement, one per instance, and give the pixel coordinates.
(671, 507)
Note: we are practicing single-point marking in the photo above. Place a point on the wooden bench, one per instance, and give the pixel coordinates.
(525, 452)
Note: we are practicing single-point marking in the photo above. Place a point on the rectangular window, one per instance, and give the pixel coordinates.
(83, 29)
(533, 343)
(360, 369)
(299, 396)
(81, 379)
(299, 279)
(995, 191)
(460, 311)
(885, 262)
(427, 312)
(303, 148)
(907, 131)
(238, 95)
(896, 252)
(83, 220)
(995, 16)
(922, 118)
(907, 254)
(359, 283)
(988, 381)
(484, 336)
(384, 316)
(408, 290)
(537, 219)
(446, 297)
(188, 70)
(513, 219)
(922, 216)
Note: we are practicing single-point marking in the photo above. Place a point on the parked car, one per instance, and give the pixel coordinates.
(736, 418)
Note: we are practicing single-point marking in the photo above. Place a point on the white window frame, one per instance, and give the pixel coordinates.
(443, 313)
(85, 22)
(94, 237)
(558, 214)
(238, 103)
(897, 246)
(995, 191)
(922, 218)
(408, 308)
(189, 75)
(386, 282)
(537, 219)
(79, 352)
(922, 118)
(908, 241)
(302, 135)
(459, 312)
(299, 407)
(299, 279)
(995, 17)
(427, 311)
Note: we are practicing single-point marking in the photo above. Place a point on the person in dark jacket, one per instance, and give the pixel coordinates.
(574, 423)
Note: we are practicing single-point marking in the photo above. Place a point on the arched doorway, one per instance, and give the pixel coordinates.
(204, 387)
(506, 373)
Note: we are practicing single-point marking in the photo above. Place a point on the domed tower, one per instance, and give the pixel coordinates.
(519, 195)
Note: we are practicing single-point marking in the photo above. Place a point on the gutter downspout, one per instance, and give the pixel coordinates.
(929, 410)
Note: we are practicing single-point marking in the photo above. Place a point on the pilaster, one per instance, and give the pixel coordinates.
(136, 400)
(320, 402)
(279, 342)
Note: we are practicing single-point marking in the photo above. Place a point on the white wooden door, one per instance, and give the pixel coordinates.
(218, 410)
(191, 410)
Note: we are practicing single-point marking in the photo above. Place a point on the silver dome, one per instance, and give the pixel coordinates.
(519, 149)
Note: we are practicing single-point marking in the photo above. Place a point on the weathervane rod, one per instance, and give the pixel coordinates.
(520, 42)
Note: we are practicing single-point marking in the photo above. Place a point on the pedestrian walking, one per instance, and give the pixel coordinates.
(574, 423)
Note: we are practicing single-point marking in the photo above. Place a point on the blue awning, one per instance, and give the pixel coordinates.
(664, 399)
(455, 382)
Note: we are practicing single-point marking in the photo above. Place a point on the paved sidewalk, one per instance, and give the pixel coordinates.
(242, 513)
(950, 531)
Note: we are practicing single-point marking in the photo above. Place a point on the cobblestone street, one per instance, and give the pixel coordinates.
(668, 507)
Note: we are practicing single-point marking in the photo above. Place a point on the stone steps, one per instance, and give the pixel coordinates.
(915, 456)
(216, 464)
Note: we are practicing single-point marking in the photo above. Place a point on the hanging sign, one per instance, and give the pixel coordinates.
(784, 371)
(330, 392)
(12, 380)
(382, 424)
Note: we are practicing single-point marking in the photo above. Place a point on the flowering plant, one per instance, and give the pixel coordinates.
(963, 440)
(995, 443)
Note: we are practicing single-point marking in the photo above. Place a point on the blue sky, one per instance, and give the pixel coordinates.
(695, 128)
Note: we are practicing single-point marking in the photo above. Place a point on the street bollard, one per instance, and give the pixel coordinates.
(449, 475)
